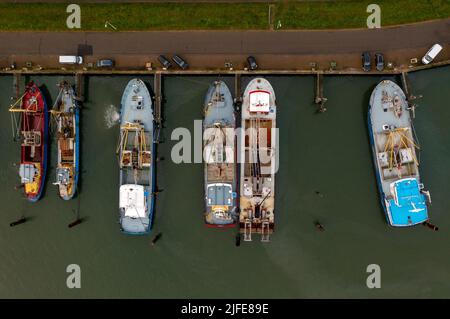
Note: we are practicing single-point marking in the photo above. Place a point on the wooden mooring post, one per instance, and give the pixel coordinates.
(16, 84)
(79, 85)
(409, 96)
(405, 84)
(237, 89)
(320, 99)
(157, 86)
(158, 97)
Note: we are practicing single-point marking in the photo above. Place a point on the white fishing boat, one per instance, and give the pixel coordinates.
(258, 161)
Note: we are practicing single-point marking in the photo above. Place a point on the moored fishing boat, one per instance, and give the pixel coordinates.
(136, 159)
(219, 156)
(258, 160)
(67, 114)
(403, 197)
(34, 132)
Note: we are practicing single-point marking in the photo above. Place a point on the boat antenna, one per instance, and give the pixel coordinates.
(61, 88)
(15, 122)
(415, 138)
(267, 195)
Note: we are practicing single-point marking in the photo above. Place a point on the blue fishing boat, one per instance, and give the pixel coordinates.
(219, 156)
(136, 159)
(67, 115)
(403, 197)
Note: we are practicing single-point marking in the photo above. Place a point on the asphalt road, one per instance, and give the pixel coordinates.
(224, 42)
(204, 43)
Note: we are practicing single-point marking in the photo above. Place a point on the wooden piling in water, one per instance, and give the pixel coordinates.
(158, 97)
(237, 87)
(320, 99)
(16, 84)
(18, 222)
(405, 84)
(79, 85)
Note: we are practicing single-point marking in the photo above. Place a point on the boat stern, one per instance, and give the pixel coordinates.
(66, 182)
(220, 205)
(408, 206)
(135, 226)
(31, 178)
(134, 210)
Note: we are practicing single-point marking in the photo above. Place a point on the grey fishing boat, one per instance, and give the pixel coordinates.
(403, 197)
(136, 159)
(219, 156)
(67, 116)
(258, 160)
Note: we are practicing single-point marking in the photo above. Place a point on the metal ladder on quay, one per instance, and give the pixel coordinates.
(248, 230)
(265, 232)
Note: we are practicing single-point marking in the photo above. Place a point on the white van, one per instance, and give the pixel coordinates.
(70, 59)
(431, 54)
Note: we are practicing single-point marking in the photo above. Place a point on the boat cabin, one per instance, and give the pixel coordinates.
(133, 201)
(408, 203)
(259, 101)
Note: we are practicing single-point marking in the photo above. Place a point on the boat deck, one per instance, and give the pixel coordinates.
(258, 166)
(220, 173)
(138, 103)
(66, 147)
(219, 156)
(392, 128)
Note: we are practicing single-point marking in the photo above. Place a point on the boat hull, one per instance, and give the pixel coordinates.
(68, 120)
(390, 127)
(35, 118)
(137, 124)
(219, 145)
(258, 160)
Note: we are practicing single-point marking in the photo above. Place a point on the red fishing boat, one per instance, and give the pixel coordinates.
(33, 131)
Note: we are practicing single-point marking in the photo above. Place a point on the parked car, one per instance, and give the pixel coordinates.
(431, 54)
(105, 63)
(366, 62)
(180, 62)
(252, 65)
(379, 61)
(70, 59)
(164, 62)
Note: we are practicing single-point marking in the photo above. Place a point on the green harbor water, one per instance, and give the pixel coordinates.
(327, 153)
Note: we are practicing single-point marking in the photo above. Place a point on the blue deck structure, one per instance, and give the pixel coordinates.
(408, 207)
